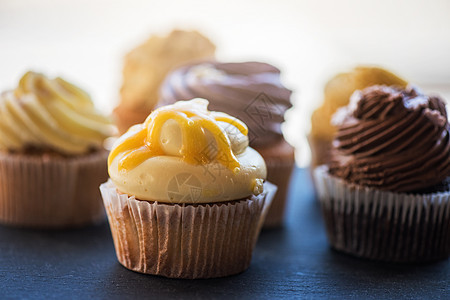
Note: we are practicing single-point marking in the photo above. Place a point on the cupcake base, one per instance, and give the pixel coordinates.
(280, 162)
(382, 225)
(185, 241)
(48, 191)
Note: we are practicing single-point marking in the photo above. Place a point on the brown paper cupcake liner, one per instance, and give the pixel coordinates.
(382, 225)
(46, 191)
(185, 241)
(279, 173)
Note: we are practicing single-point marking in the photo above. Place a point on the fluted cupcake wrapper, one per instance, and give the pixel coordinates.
(185, 241)
(382, 225)
(45, 191)
(279, 172)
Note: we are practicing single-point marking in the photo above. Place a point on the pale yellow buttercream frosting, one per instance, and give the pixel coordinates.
(184, 153)
(50, 114)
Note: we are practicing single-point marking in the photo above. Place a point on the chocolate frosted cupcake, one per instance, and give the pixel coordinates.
(187, 196)
(51, 155)
(386, 195)
(251, 91)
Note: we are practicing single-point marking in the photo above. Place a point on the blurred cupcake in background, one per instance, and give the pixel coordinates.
(187, 196)
(51, 154)
(253, 92)
(146, 66)
(385, 195)
(337, 94)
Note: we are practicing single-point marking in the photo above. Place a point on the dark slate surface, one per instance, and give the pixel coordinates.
(294, 261)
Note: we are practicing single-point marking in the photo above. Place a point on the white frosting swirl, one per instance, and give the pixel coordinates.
(50, 114)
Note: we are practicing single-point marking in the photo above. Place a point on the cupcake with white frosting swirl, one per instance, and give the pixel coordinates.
(51, 154)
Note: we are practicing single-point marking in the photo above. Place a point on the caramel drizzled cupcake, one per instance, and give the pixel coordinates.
(51, 154)
(253, 92)
(186, 197)
(385, 194)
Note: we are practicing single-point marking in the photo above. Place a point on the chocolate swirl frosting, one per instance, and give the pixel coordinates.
(392, 139)
(249, 91)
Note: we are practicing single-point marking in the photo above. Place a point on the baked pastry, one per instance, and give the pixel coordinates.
(51, 155)
(337, 94)
(146, 66)
(253, 92)
(186, 196)
(386, 192)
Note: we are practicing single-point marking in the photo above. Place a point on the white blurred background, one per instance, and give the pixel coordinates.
(84, 41)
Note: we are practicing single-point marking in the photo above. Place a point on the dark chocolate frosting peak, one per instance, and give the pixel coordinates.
(249, 91)
(392, 139)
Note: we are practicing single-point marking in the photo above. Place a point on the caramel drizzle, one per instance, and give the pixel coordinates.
(144, 143)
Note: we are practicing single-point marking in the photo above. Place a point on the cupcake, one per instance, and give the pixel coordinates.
(251, 91)
(146, 66)
(186, 196)
(337, 94)
(51, 155)
(385, 194)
